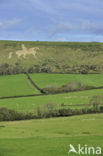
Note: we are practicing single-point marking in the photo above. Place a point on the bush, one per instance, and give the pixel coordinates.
(4, 114)
(71, 86)
(65, 112)
(10, 115)
(48, 110)
(30, 115)
(51, 89)
(45, 111)
(84, 71)
(16, 115)
(101, 108)
(96, 101)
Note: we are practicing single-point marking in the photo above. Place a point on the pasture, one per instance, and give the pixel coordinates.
(28, 104)
(50, 137)
(15, 85)
(44, 80)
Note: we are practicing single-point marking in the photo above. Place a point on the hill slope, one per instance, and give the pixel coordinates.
(51, 56)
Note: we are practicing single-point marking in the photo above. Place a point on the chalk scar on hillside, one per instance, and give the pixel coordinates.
(10, 55)
(24, 52)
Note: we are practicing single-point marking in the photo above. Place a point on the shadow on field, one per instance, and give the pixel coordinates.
(4, 152)
(2, 126)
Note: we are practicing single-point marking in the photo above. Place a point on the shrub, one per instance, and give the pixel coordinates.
(80, 84)
(51, 89)
(101, 108)
(71, 86)
(48, 110)
(65, 112)
(96, 101)
(45, 111)
(84, 71)
(10, 115)
(16, 115)
(5, 114)
(30, 115)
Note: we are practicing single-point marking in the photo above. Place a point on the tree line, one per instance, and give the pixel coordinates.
(7, 69)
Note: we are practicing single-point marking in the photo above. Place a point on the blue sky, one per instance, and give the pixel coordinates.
(51, 20)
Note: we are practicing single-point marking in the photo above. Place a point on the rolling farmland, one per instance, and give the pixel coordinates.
(51, 78)
(23, 87)
(27, 104)
(49, 137)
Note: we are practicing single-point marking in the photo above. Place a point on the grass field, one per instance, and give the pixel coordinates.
(14, 85)
(30, 103)
(19, 85)
(52, 54)
(44, 80)
(50, 137)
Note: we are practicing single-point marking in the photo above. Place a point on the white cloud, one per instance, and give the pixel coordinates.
(9, 23)
(62, 39)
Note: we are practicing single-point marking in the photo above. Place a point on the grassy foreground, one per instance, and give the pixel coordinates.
(50, 137)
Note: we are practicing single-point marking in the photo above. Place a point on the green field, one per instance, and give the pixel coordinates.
(44, 80)
(28, 104)
(15, 85)
(19, 85)
(50, 137)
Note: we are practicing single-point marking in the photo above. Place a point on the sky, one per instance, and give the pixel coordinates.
(51, 20)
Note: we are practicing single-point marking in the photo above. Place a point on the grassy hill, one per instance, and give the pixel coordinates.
(49, 137)
(51, 56)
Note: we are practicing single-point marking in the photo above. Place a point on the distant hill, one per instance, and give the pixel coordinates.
(70, 57)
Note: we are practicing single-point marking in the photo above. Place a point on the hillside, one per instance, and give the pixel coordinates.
(77, 57)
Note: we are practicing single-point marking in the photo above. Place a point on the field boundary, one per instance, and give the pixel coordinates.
(21, 96)
(45, 94)
(33, 84)
(79, 105)
(51, 73)
(65, 73)
(16, 116)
